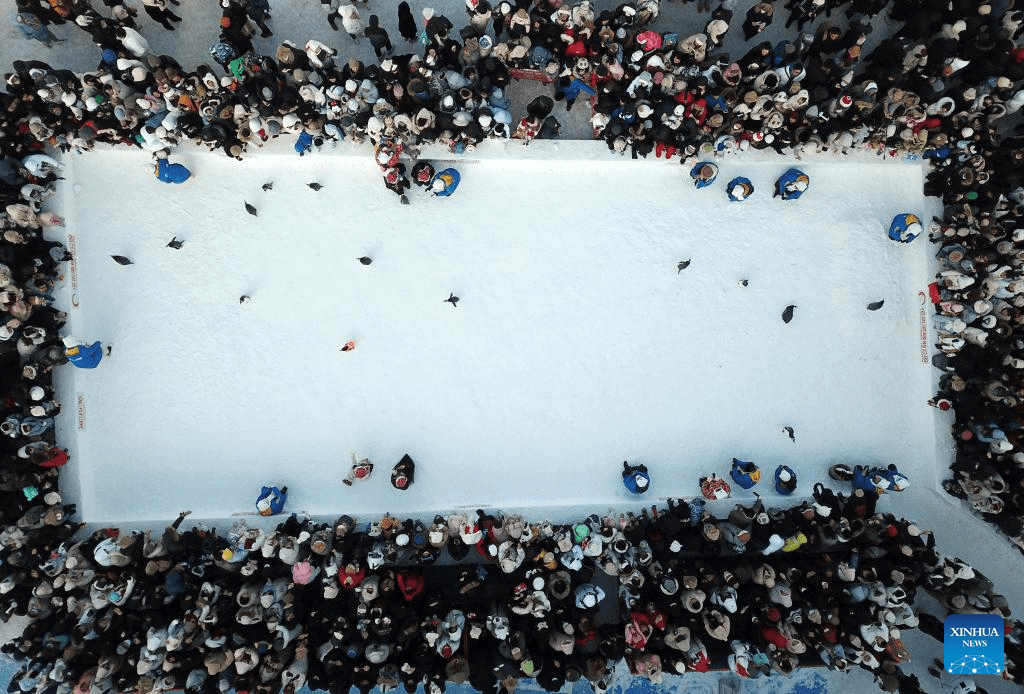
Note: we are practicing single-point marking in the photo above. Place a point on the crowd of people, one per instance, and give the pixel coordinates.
(487, 599)
(492, 599)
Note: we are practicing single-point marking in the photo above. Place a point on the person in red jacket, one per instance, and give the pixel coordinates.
(411, 584)
(351, 575)
(51, 457)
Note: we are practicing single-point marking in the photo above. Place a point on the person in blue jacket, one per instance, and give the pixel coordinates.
(171, 173)
(83, 356)
(785, 480)
(703, 174)
(739, 189)
(791, 185)
(635, 478)
(445, 182)
(304, 143)
(879, 480)
(271, 500)
(744, 473)
(905, 227)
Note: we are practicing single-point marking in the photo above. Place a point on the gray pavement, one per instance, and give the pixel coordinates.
(301, 20)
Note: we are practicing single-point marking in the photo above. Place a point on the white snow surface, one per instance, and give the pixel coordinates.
(576, 344)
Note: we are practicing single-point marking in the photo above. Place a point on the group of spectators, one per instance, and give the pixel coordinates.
(491, 600)
(486, 599)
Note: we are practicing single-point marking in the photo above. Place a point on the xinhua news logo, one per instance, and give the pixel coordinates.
(973, 644)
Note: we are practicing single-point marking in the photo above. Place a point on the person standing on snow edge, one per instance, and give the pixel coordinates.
(83, 356)
(171, 173)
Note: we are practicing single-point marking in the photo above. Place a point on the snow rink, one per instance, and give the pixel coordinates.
(576, 344)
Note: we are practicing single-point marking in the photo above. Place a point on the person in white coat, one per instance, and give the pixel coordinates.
(350, 19)
(133, 41)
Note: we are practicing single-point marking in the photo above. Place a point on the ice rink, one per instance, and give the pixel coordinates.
(576, 344)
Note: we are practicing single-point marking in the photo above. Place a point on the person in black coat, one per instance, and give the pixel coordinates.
(406, 22)
(378, 37)
(758, 18)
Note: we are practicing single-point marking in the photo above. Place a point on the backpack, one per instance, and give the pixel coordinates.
(223, 53)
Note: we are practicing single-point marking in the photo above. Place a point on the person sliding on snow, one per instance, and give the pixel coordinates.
(785, 480)
(791, 185)
(635, 478)
(271, 500)
(739, 189)
(905, 227)
(744, 473)
(171, 173)
(445, 182)
(360, 470)
(423, 173)
(83, 356)
(396, 181)
(703, 174)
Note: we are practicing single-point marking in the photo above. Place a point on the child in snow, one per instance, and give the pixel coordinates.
(703, 174)
(171, 173)
(445, 182)
(635, 478)
(785, 480)
(360, 470)
(739, 189)
(905, 227)
(83, 356)
(271, 500)
(791, 185)
(745, 473)
(396, 181)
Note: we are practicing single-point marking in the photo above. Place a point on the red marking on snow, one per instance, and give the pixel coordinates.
(924, 332)
(80, 409)
(72, 249)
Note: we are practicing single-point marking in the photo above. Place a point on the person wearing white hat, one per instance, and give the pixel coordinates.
(588, 595)
(635, 478)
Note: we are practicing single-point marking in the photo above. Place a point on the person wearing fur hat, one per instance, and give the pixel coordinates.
(758, 18)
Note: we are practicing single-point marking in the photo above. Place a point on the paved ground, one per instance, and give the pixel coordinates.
(300, 20)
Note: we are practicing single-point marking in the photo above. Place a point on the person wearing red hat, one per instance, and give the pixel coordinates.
(402, 473)
(396, 181)
(360, 470)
